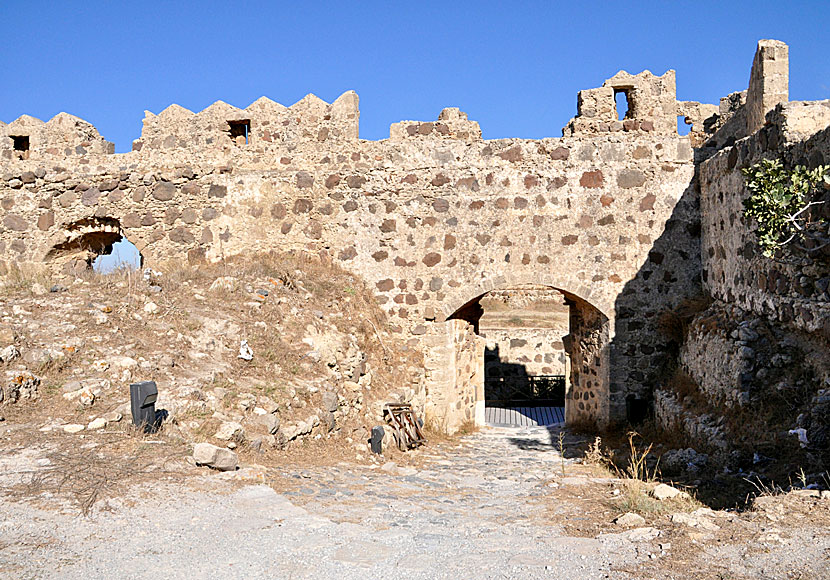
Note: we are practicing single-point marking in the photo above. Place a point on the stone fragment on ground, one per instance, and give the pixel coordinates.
(229, 430)
(97, 423)
(645, 534)
(663, 492)
(694, 521)
(9, 354)
(629, 520)
(219, 458)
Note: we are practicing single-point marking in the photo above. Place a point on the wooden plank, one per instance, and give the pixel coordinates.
(549, 419)
(560, 415)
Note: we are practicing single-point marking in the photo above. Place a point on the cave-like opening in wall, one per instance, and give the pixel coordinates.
(544, 357)
(94, 244)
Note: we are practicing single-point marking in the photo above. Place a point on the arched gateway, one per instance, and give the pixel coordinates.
(432, 218)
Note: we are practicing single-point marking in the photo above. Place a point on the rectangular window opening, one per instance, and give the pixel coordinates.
(21, 142)
(240, 131)
(622, 103)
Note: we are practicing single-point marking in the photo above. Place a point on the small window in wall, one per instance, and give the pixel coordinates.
(621, 100)
(682, 127)
(240, 131)
(21, 145)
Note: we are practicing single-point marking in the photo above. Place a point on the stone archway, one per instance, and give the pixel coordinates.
(455, 352)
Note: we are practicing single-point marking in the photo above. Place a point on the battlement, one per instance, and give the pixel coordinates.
(64, 135)
(263, 122)
(652, 105)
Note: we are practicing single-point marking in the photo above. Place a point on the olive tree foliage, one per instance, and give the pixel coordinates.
(788, 207)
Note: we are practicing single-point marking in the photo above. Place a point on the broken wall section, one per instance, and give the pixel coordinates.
(652, 105)
(452, 123)
(754, 376)
(743, 113)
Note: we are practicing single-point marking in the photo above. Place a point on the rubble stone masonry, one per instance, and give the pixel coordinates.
(433, 217)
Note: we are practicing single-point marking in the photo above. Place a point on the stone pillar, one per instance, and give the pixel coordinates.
(768, 82)
(587, 401)
(454, 361)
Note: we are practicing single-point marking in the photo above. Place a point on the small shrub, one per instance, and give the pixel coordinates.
(782, 201)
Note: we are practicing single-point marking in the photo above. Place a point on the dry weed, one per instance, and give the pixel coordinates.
(85, 475)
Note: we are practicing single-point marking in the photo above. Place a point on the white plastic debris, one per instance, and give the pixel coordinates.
(802, 435)
(245, 352)
(149, 273)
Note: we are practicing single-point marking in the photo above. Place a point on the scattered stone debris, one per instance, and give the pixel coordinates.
(20, 386)
(9, 354)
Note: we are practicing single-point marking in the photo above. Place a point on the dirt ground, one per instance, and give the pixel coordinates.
(498, 503)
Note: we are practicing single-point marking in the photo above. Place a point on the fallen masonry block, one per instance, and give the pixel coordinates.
(629, 520)
(218, 458)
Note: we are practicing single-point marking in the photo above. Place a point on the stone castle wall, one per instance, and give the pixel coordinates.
(432, 218)
(765, 337)
(734, 269)
(538, 351)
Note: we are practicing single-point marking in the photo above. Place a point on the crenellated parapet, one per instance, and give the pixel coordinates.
(64, 135)
(263, 123)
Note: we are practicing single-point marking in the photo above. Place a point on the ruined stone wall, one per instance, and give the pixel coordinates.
(538, 351)
(734, 269)
(757, 356)
(432, 218)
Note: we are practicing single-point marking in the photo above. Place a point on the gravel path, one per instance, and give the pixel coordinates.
(472, 514)
(482, 510)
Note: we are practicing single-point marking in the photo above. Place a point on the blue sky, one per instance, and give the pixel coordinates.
(514, 67)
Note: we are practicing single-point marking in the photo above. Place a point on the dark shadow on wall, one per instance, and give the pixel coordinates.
(641, 357)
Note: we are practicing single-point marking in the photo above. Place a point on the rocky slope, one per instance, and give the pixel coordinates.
(255, 354)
